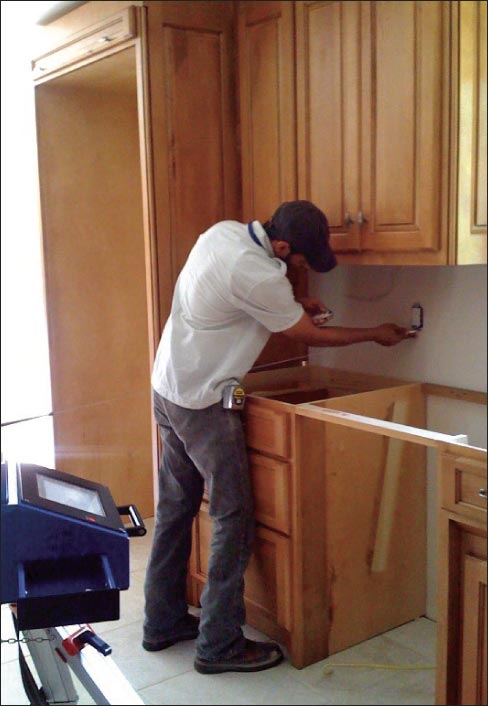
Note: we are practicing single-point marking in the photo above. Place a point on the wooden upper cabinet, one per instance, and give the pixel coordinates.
(267, 106)
(371, 125)
(470, 244)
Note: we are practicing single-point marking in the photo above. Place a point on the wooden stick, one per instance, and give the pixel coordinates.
(377, 426)
(399, 415)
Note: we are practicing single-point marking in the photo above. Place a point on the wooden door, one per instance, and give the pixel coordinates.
(402, 126)
(328, 110)
(470, 245)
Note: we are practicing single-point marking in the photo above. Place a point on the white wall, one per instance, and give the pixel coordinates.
(450, 350)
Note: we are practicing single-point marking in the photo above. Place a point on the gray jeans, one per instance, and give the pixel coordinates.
(200, 446)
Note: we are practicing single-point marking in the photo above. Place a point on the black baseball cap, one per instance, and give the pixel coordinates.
(306, 229)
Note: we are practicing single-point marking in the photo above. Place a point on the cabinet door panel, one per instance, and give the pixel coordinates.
(474, 632)
(268, 579)
(271, 488)
(402, 125)
(268, 576)
(328, 66)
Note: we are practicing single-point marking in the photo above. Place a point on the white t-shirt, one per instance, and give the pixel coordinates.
(230, 296)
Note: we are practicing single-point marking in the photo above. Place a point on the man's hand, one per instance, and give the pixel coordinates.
(312, 305)
(391, 334)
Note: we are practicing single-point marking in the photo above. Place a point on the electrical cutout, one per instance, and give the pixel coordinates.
(417, 320)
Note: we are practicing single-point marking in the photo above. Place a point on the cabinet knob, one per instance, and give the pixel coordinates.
(482, 493)
(348, 219)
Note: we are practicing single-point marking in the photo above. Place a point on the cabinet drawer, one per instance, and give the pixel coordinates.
(267, 579)
(271, 488)
(268, 429)
(464, 486)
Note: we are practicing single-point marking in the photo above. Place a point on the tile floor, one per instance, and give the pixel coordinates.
(168, 677)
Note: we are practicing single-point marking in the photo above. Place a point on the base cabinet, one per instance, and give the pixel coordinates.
(462, 622)
(327, 571)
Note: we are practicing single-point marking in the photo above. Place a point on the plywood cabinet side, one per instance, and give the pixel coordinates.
(369, 598)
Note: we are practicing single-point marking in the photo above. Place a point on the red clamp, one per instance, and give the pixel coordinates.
(73, 644)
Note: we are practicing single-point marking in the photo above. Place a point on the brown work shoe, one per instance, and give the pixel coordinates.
(187, 629)
(255, 657)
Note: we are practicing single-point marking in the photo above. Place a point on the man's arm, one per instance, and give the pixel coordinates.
(305, 332)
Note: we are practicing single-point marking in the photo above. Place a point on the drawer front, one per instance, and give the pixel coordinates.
(464, 486)
(267, 579)
(271, 489)
(268, 429)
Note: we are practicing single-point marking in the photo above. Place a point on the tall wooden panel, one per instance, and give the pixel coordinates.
(196, 177)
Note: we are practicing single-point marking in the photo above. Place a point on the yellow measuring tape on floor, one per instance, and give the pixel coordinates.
(359, 665)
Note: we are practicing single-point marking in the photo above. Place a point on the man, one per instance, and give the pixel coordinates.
(230, 296)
